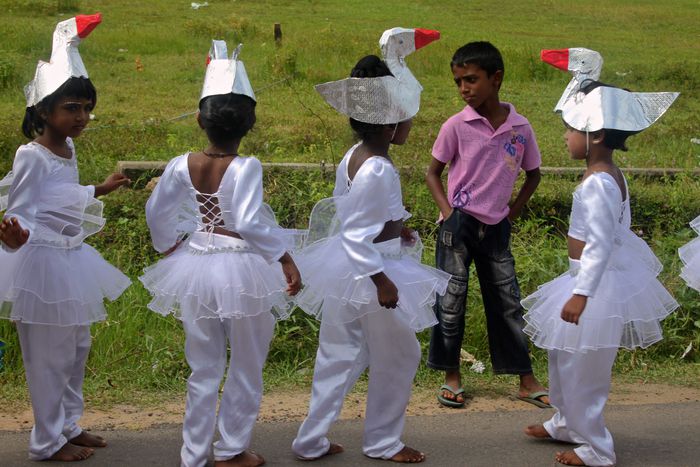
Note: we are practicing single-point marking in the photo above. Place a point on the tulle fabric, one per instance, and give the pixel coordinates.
(333, 293)
(216, 276)
(690, 256)
(57, 286)
(625, 311)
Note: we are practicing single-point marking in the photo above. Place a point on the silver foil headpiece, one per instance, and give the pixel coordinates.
(605, 106)
(385, 99)
(224, 75)
(65, 60)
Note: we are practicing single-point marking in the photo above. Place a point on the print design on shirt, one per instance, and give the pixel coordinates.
(463, 196)
(515, 148)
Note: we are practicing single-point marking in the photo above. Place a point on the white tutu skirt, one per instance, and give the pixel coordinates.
(57, 286)
(332, 293)
(626, 310)
(216, 276)
(690, 256)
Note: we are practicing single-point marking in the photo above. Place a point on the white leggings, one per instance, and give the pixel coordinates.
(205, 349)
(579, 385)
(392, 352)
(54, 362)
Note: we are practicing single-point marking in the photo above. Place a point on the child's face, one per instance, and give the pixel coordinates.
(575, 143)
(474, 84)
(69, 116)
(402, 131)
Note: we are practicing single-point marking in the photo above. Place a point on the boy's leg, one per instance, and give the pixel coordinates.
(585, 380)
(249, 339)
(73, 395)
(341, 358)
(394, 355)
(48, 353)
(205, 351)
(495, 267)
(453, 257)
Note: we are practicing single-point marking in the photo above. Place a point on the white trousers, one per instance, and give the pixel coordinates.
(205, 350)
(392, 352)
(54, 363)
(579, 385)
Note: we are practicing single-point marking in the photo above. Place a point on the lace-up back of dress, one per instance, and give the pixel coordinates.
(209, 209)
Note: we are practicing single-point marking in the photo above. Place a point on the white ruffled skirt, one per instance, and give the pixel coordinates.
(332, 293)
(216, 276)
(690, 256)
(57, 286)
(625, 312)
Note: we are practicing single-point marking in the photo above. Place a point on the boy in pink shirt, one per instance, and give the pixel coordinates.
(485, 145)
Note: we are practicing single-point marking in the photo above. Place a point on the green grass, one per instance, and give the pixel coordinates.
(137, 355)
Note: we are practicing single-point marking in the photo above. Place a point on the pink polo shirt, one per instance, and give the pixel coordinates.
(483, 163)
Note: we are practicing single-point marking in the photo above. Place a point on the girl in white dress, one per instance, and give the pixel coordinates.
(610, 297)
(221, 275)
(690, 256)
(52, 285)
(364, 280)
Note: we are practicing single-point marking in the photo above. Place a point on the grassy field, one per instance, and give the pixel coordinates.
(147, 62)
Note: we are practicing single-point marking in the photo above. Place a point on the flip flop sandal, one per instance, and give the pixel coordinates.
(452, 403)
(534, 399)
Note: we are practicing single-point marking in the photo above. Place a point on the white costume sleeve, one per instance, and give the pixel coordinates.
(601, 201)
(29, 171)
(363, 213)
(248, 214)
(163, 207)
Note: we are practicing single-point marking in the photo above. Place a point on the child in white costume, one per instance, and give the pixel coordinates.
(51, 283)
(361, 260)
(690, 256)
(610, 297)
(222, 281)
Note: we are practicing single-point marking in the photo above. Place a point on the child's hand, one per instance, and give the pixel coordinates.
(408, 236)
(12, 234)
(572, 310)
(291, 274)
(387, 293)
(111, 183)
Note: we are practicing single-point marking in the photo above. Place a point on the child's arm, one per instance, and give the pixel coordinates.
(437, 190)
(291, 274)
(162, 209)
(532, 179)
(111, 183)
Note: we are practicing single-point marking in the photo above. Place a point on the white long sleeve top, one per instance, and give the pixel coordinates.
(43, 192)
(598, 216)
(173, 210)
(365, 204)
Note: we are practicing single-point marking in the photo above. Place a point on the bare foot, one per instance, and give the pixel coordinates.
(333, 449)
(408, 456)
(530, 385)
(71, 453)
(537, 431)
(244, 459)
(88, 440)
(568, 458)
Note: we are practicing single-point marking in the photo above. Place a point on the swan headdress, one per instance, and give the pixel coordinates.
(225, 75)
(385, 99)
(603, 107)
(65, 60)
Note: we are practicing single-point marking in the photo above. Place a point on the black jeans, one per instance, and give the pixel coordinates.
(463, 239)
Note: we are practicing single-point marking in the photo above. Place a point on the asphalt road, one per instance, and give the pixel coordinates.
(645, 435)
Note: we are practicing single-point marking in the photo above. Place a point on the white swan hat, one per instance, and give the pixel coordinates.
(225, 75)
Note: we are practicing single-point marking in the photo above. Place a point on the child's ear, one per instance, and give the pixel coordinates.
(498, 78)
(199, 121)
(598, 137)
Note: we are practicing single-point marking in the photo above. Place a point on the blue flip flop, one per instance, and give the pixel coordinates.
(450, 402)
(534, 399)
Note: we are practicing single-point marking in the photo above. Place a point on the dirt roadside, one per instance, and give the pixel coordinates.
(292, 406)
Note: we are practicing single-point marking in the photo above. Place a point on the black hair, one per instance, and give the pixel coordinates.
(78, 88)
(226, 117)
(369, 66)
(481, 53)
(612, 139)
